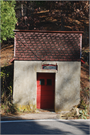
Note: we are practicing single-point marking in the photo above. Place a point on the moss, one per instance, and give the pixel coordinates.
(28, 107)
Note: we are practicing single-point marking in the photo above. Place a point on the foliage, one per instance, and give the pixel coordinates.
(8, 19)
(84, 94)
(39, 3)
(82, 104)
(6, 89)
(83, 114)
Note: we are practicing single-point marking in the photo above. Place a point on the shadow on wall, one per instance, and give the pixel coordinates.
(65, 100)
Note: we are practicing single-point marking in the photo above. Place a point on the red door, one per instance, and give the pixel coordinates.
(45, 90)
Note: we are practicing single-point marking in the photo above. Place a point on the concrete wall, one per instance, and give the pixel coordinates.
(67, 84)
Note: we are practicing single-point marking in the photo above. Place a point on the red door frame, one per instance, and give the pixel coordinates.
(45, 93)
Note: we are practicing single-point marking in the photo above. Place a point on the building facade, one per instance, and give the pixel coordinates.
(47, 68)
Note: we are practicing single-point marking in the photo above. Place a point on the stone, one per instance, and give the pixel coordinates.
(77, 111)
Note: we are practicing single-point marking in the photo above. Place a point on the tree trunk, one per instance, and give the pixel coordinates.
(22, 9)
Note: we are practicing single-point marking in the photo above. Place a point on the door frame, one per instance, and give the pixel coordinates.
(54, 86)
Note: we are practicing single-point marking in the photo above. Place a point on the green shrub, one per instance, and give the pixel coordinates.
(83, 114)
(7, 89)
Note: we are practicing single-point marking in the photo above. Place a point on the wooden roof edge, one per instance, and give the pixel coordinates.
(46, 31)
(12, 60)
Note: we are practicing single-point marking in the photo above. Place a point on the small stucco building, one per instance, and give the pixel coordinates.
(47, 69)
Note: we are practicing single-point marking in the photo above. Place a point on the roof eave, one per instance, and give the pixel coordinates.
(12, 60)
(46, 31)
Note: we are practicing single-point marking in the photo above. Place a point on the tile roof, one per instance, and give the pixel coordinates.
(47, 46)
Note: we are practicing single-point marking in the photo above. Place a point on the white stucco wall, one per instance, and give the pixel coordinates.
(67, 83)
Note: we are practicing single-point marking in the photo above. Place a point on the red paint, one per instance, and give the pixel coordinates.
(82, 61)
(45, 93)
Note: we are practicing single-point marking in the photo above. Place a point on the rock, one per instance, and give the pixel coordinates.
(77, 111)
(69, 114)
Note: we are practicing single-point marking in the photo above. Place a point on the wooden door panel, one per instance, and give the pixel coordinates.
(45, 93)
